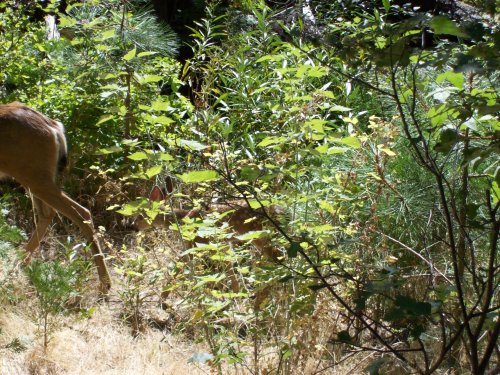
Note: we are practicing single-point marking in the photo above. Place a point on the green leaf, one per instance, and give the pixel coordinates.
(252, 235)
(199, 176)
(286, 354)
(322, 149)
(339, 108)
(456, 79)
(67, 22)
(272, 140)
(396, 53)
(162, 120)
(192, 145)
(344, 336)
(412, 306)
(76, 41)
(386, 4)
(138, 156)
(298, 98)
(315, 125)
(326, 93)
(417, 331)
(249, 173)
(317, 71)
(301, 71)
(395, 314)
(269, 58)
(256, 204)
(336, 150)
(438, 115)
(107, 34)
(103, 47)
(130, 55)
(351, 141)
(150, 78)
(160, 105)
(497, 175)
(104, 119)
(448, 137)
(165, 156)
(147, 53)
(109, 150)
(71, 6)
(443, 25)
(293, 249)
(153, 171)
(495, 191)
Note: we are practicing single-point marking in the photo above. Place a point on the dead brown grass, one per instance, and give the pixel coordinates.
(99, 345)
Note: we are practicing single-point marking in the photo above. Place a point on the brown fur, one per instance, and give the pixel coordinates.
(32, 151)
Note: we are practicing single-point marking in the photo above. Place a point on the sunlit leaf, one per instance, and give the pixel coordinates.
(151, 78)
(351, 141)
(456, 79)
(130, 55)
(109, 150)
(317, 71)
(104, 119)
(271, 141)
(163, 120)
(199, 176)
(108, 34)
(252, 235)
(153, 171)
(160, 105)
(192, 145)
(138, 156)
(165, 156)
(147, 53)
(386, 150)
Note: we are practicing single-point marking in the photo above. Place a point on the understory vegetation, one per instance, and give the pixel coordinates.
(357, 170)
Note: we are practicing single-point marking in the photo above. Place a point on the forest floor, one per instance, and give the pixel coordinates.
(98, 342)
(98, 345)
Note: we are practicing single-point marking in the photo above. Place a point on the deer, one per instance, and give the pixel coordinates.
(33, 151)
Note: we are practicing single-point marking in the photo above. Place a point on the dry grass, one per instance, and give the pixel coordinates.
(98, 345)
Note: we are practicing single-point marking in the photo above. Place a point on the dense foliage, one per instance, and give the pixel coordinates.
(380, 152)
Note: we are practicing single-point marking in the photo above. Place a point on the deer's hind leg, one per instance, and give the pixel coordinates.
(60, 202)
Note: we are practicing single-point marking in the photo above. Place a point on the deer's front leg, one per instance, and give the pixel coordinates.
(43, 216)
